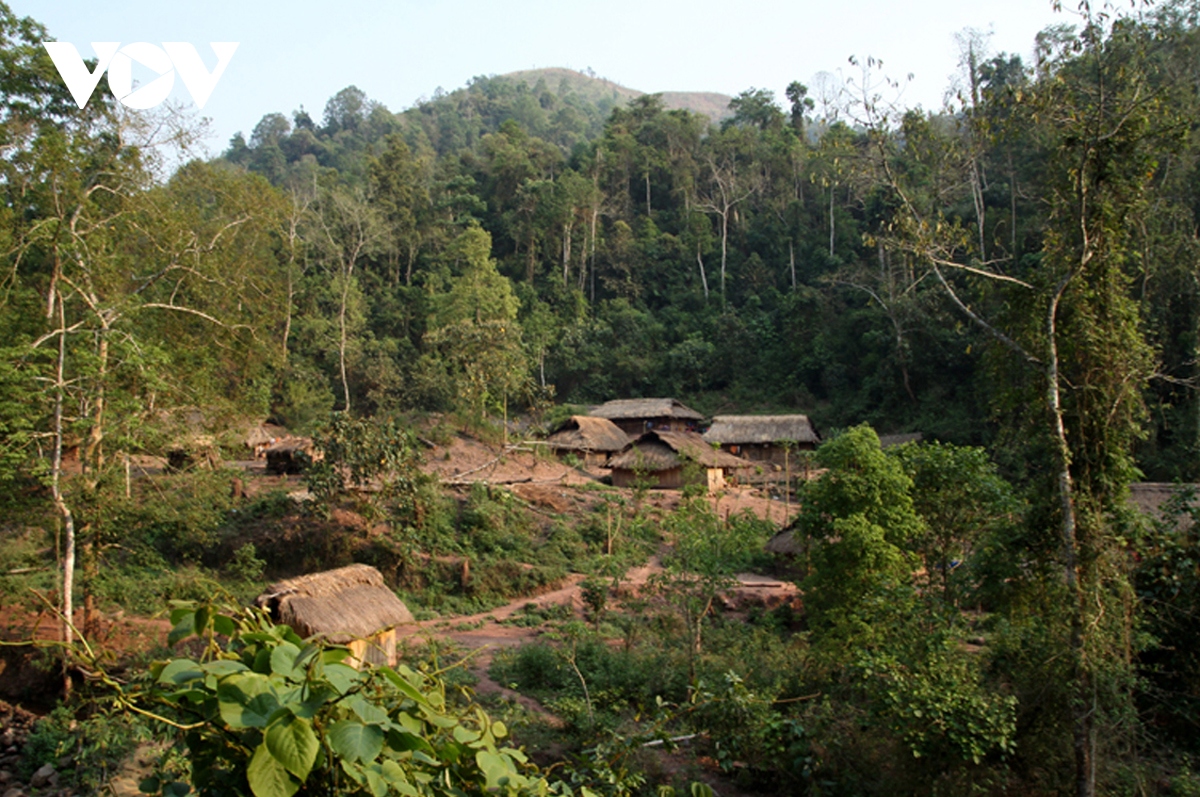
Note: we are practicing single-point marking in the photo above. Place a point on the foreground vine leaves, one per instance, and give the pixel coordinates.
(261, 711)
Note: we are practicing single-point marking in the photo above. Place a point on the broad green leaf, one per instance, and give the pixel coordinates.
(354, 770)
(399, 680)
(200, 620)
(318, 696)
(182, 630)
(408, 741)
(335, 655)
(440, 720)
(292, 742)
(355, 741)
(283, 659)
(398, 778)
(410, 723)
(376, 782)
(307, 654)
(224, 625)
(341, 677)
(495, 767)
(180, 671)
(246, 700)
(223, 667)
(465, 735)
(498, 729)
(368, 712)
(268, 777)
(194, 695)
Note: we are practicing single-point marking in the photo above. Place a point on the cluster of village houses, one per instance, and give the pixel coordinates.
(657, 442)
(654, 442)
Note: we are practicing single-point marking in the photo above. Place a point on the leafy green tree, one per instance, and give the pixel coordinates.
(706, 555)
(960, 497)
(859, 520)
(474, 337)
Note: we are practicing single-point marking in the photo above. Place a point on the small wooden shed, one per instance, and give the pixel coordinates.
(262, 436)
(660, 458)
(192, 451)
(761, 438)
(349, 606)
(290, 454)
(635, 416)
(592, 440)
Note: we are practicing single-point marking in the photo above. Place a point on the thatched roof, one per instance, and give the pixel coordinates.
(662, 450)
(291, 445)
(341, 604)
(583, 433)
(785, 543)
(192, 441)
(1150, 497)
(747, 429)
(646, 408)
(264, 434)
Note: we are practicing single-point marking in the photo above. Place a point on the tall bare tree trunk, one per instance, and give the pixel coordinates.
(342, 336)
(792, 263)
(60, 504)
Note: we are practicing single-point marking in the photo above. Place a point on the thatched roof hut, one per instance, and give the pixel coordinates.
(785, 543)
(747, 429)
(591, 438)
(635, 416)
(191, 451)
(262, 436)
(762, 437)
(1149, 497)
(348, 606)
(289, 454)
(660, 456)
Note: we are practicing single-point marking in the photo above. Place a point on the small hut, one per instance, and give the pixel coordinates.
(763, 438)
(262, 436)
(662, 457)
(349, 606)
(635, 416)
(290, 455)
(193, 451)
(1150, 498)
(592, 440)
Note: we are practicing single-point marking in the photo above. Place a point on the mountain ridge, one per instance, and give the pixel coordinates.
(712, 104)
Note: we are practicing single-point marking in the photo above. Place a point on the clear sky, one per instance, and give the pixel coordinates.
(301, 53)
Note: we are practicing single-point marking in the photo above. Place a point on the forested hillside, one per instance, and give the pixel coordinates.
(1014, 276)
(760, 263)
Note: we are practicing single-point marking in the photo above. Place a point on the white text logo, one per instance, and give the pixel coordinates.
(163, 61)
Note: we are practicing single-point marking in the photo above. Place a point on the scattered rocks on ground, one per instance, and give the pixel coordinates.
(42, 778)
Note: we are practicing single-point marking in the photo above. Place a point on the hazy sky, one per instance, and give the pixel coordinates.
(301, 53)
